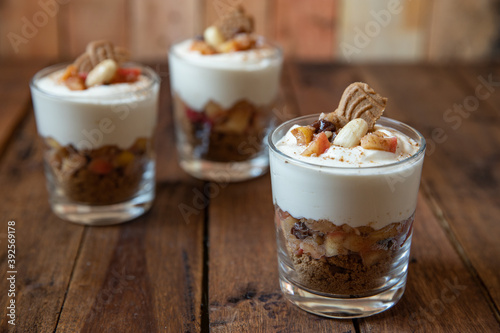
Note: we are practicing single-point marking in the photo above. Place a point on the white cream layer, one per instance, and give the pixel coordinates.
(347, 185)
(224, 78)
(116, 114)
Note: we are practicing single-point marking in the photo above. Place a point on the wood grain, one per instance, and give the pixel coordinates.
(46, 247)
(155, 25)
(454, 27)
(28, 29)
(88, 20)
(437, 31)
(381, 31)
(14, 94)
(307, 30)
(441, 294)
(128, 277)
(160, 273)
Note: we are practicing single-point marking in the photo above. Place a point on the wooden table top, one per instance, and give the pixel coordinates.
(217, 270)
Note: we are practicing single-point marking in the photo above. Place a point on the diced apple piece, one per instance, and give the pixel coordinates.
(236, 122)
(318, 146)
(379, 142)
(71, 164)
(75, 83)
(123, 159)
(244, 42)
(355, 243)
(310, 247)
(202, 47)
(388, 231)
(71, 70)
(229, 46)
(100, 166)
(141, 145)
(334, 243)
(287, 224)
(52, 143)
(372, 257)
(213, 110)
(303, 134)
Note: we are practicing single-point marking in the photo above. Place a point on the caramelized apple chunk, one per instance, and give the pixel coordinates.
(303, 134)
(377, 140)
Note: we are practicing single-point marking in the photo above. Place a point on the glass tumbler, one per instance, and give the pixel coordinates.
(98, 146)
(346, 267)
(223, 110)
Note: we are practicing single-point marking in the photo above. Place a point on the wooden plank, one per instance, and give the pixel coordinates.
(243, 274)
(157, 24)
(409, 103)
(46, 247)
(319, 87)
(141, 276)
(454, 29)
(461, 166)
(306, 30)
(14, 94)
(441, 295)
(88, 20)
(383, 30)
(28, 29)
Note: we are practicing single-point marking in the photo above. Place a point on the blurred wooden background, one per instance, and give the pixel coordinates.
(317, 30)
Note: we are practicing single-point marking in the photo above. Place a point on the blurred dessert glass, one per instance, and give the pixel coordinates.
(97, 119)
(224, 88)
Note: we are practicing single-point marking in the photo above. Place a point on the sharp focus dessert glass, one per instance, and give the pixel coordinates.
(97, 119)
(345, 191)
(224, 88)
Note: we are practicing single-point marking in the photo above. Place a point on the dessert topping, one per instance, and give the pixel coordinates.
(377, 140)
(102, 73)
(98, 51)
(213, 36)
(231, 34)
(100, 64)
(359, 100)
(359, 109)
(235, 22)
(350, 135)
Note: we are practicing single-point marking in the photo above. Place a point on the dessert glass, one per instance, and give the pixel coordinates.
(223, 110)
(344, 268)
(98, 147)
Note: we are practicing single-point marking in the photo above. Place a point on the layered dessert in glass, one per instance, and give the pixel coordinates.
(97, 118)
(224, 86)
(345, 188)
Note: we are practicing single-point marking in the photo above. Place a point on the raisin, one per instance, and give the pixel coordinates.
(300, 230)
(323, 125)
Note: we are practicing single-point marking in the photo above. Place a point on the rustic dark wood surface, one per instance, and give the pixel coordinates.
(216, 270)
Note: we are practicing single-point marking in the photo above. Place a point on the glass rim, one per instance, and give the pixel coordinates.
(390, 121)
(155, 80)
